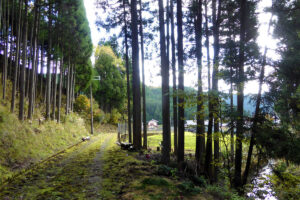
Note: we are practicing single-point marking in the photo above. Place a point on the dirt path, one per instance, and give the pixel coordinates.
(96, 169)
(75, 174)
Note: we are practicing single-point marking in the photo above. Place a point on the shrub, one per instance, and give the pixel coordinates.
(115, 116)
(82, 104)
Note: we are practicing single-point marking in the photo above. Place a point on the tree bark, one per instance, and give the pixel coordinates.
(200, 136)
(48, 95)
(216, 8)
(180, 153)
(54, 91)
(33, 65)
(17, 63)
(127, 74)
(165, 87)
(135, 79)
(240, 99)
(143, 79)
(257, 112)
(175, 117)
(60, 87)
(23, 66)
(208, 167)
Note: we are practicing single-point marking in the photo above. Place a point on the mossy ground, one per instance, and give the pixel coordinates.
(66, 176)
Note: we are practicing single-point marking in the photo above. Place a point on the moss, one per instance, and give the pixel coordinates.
(25, 143)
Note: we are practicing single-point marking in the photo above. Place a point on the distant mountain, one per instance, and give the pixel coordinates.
(154, 108)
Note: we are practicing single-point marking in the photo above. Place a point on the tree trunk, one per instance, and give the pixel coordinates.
(216, 7)
(240, 99)
(33, 65)
(180, 153)
(17, 63)
(60, 87)
(175, 118)
(135, 78)
(48, 96)
(200, 136)
(5, 36)
(11, 39)
(23, 66)
(165, 87)
(68, 87)
(143, 79)
(54, 90)
(127, 74)
(208, 167)
(257, 112)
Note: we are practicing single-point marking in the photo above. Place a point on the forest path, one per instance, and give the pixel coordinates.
(73, 174)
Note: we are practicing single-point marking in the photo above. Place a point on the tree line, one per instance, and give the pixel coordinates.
(43, 44)
(236, 59)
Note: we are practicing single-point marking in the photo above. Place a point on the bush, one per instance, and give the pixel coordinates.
(188, 188)
(115, 116)
(82, 104)
(99, 116)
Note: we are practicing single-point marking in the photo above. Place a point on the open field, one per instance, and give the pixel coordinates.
(189, 142)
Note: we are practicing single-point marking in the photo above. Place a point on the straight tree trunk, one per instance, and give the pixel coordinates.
(11, 38)
(200, 136)
(208, 167)
(30, 61)
(216, 7)
(33, 65)
(143, 79)
(17, 63)
(180, 153)
(68, 87)
(127, 73)
(175, 117)
(240, 99)
(231, 117)
(137, 142)
(48, 95)
(60, 88)
(5, 34)
(165, 87)
(42, 69)
(54, 90)
(23, 66)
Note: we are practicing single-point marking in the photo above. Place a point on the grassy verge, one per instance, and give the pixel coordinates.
(25, 143)
(63, 177)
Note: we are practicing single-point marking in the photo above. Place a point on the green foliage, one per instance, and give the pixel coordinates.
(82, 104)
(155, 181)
(115, 116)
(25, 143)
(112, 88)
(222, 193)
(164, 170)
(188, 188)
(286, 181)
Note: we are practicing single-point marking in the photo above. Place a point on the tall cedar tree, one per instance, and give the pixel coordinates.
(200, 137)
(240, 98)
(173, 48)
(143, 77)
(137, 142)
(180, 151)
(165, 87)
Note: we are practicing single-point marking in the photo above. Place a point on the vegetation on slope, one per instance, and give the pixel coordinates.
(25, 143)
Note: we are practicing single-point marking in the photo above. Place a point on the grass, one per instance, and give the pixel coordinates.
(66, 176)
(25, 143)
(189, 141)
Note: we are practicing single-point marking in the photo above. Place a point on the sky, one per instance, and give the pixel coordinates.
(152, 67)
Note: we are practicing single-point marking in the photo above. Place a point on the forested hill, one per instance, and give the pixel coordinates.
(154, 108)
